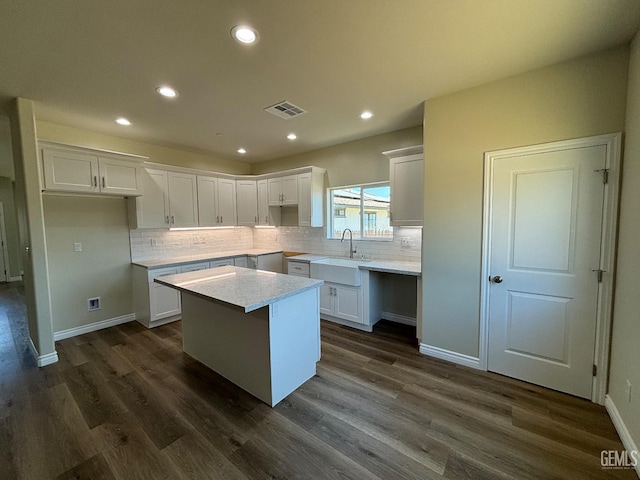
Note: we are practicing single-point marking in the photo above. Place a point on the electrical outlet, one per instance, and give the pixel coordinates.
(77, 246)
(404, 241)
(93, 304)
(154, 242)
(628, 391)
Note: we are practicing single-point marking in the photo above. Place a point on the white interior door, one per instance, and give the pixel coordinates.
(545, 246)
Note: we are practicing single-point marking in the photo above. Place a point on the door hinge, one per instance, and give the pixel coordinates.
(595, 370)
(600, 272)
(605, 175)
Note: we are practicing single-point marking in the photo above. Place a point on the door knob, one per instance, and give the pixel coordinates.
(497, 279)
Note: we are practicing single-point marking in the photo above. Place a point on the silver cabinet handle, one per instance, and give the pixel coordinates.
(167, 220)
(255, 220)
(95, 181)
(220, 218)
(173, 219)
(103, 183)
(266, 219)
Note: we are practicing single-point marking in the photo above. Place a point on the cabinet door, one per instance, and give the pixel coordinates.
(183, 200)
(240, 261)
(263, 202)
(348, 303)
(227, 202)
(207, 201)
(275, 191)
(152, 208)
(247, 202)
(326, 299)
(164, 301)
(119, 177)
(304, 199)
(70, 171)
(271, 262)
(406, 180)
(290, 190)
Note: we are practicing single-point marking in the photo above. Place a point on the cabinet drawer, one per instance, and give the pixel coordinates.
(300, 269)
(192, 267)
(160, 272)
(221, 263)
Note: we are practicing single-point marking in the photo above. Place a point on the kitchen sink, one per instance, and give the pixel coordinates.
(337, 270)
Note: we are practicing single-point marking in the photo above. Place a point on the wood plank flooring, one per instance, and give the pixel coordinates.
(126, 402)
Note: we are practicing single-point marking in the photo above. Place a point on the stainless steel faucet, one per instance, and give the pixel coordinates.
(351, 249)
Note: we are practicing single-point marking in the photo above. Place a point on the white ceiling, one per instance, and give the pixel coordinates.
(86, 62)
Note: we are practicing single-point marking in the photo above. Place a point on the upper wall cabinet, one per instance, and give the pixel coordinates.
(283, 191)
(216, 201)
(81, 170)
(247, 202)
(406, 177)
(310, 199)
(169, 200)
(266, 216)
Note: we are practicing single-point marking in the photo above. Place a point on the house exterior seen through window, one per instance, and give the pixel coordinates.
(364, 209)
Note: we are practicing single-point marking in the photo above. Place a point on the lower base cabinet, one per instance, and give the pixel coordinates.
(342, 301)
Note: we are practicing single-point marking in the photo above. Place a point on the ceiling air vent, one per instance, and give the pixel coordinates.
(285, 110)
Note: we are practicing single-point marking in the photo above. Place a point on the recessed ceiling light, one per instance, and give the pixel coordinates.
(366, 115)
(167, 91)
(123, 121)
(292, 136)
(244, 34)
(242, 151)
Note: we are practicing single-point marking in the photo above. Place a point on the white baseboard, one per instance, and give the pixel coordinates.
(92, 327)
(621, 428)
(42, 360)
(448, 355)
(394, 317)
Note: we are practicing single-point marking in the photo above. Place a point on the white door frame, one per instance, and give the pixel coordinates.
(3, 238)
(612, 142)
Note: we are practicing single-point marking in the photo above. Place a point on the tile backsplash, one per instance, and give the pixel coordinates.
(156, 244)
(314, 240)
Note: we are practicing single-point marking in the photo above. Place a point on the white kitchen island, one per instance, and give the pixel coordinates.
(258, 329)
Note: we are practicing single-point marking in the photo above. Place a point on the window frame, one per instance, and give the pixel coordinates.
(331, 209)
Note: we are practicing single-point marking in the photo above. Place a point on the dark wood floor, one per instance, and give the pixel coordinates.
(125, 402)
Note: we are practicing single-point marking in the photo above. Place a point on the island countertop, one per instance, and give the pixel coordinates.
(243, 287)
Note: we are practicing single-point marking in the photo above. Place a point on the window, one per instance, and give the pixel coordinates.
(362, 208)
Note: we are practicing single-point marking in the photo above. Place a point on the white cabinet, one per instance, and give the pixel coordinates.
(266, 216)
(311, 199)
(283, 191)
(406, 177)
(299, 269)
(69, 169)
(247, 202)
(151, 210)
(342, 301)
(164, 302)
(169, 199)
(240, 261)
(183, 200)
(216, 201)
(272, 262)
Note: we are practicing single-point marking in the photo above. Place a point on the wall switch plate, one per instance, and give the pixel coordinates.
(93, 304)
(404, 241)
(154, 242)
(628, 391)
(77, 246)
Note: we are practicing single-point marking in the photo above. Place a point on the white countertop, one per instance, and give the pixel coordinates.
(386, 266)
(171, 262)
(306, 258)
(243, 287)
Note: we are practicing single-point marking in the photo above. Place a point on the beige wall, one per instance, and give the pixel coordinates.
(170, 156)
(360, 161)
(11, 226)
(625, 343)
(103, 268)
(578, 98)
(6, 152)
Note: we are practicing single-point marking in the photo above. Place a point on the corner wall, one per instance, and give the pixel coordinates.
(578, 98)
(625, 338)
